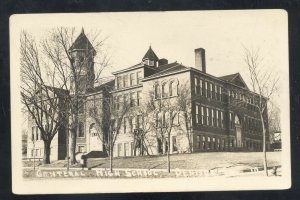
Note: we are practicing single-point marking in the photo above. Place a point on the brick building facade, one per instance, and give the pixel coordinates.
(222, 115)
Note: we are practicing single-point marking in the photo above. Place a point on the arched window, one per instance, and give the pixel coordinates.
(92, 130)
(171, 88)
(157, 91)
(81, 130)
(164, 90)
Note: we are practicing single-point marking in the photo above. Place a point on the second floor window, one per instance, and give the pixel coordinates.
(125, 80)
(164, 90)
(157, 91)
(132, 79)
(119, 82)
(139, 77)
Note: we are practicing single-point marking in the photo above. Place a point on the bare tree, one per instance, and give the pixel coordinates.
(274, 120)
(166, 112)
(42, 100)
(76, 71)
(264, 83)
(184, 104)
(108, 120)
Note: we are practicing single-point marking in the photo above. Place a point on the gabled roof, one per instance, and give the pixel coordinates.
(235, 79)
(82, 43)
(150, 55)
(168, 68)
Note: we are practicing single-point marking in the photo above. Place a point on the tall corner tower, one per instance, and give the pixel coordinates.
(83, 53)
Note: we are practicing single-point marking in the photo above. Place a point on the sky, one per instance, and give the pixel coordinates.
(175, 35)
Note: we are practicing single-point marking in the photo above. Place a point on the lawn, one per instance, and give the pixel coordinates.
(183, 161)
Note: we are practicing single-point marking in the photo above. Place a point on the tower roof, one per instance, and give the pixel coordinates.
(82, 43)
(150, 55)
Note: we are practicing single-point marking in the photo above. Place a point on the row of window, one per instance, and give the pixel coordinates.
(165, 119)
(131, 123)
(166, 89)
(128, 80)
(216, 143)
(209, 116)
(35, 133)
(37, 152)
(252, 125)
(134, 97)
(207, 89)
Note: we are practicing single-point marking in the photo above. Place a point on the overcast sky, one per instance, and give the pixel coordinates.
(175, 35)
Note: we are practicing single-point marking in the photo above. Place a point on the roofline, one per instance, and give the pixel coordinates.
(137, 66)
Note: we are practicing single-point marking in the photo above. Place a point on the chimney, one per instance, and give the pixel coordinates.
(200, 59)
(162, 61)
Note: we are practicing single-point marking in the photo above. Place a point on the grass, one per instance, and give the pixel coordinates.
(182, 161)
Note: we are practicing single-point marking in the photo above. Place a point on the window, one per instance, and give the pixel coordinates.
(126, 149)
(157, 91)
(174, 143)
(206, 88)
(164, 118)
(158, 120)
(203, 143)
(132, 99)
(120, 150)
(212, 93)
(197, 114)
(201, 87)
(202, 115)
(125, 80)
(217, 116)
(132, 79)
(171, 88)
(207, 116)
(131, 125)
(212, 117)
(222, 119)
(81, 130)
(139, 77)
(133, 120)
(216, 92)
(125, 121)
(208, 143)
(139, 98)
(164, 88)
(196, 85)
(220, 92)
(119, 82)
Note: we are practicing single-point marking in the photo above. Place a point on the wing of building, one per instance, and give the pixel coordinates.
(219, 115)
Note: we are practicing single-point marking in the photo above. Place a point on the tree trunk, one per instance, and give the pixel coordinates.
(111, 159)
(47, 152)
(73, 146)
(168, 155)
(264, 145)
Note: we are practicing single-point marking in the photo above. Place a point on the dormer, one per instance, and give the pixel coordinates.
(150, 58)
